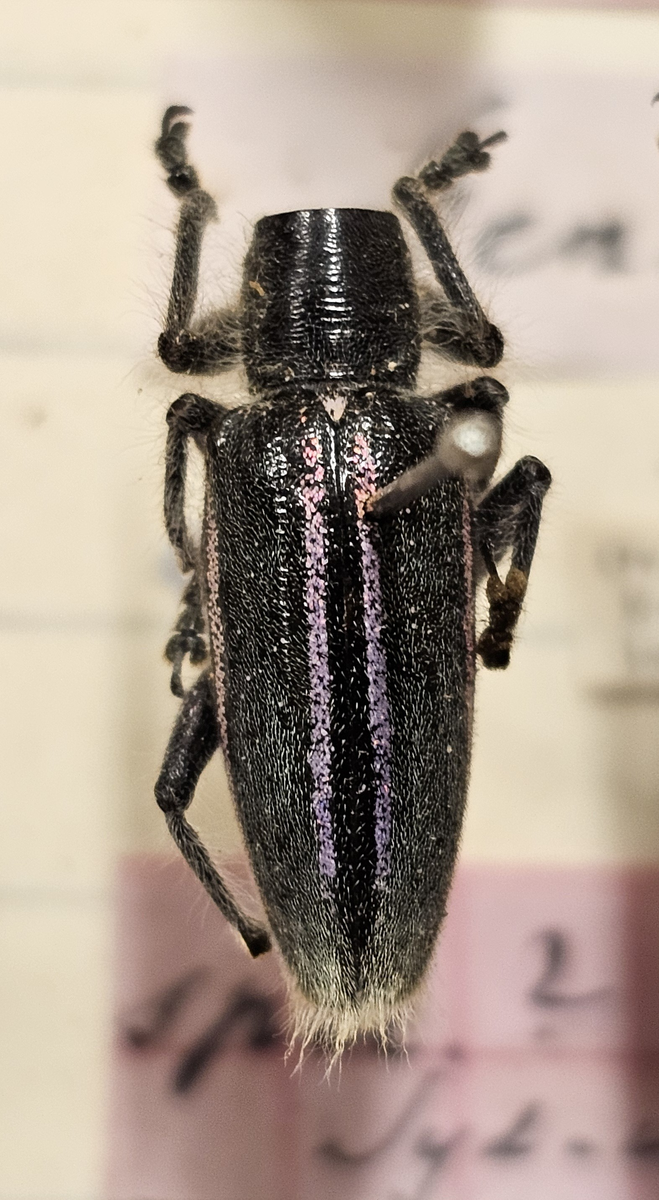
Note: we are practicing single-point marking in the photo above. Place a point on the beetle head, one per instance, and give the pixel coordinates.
(329, 296)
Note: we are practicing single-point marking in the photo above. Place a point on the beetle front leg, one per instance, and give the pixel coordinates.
(214, 344)
(460, 328)
(194, 740)
(508, 519)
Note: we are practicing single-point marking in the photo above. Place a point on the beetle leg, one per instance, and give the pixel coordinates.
(189, 416)
(508, 519)
(467, 446)
(454, 324)
(188, 636)
(467, 155)
(214, 342)
(194, 739)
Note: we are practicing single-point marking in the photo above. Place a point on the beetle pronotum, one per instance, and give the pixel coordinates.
(347, 522)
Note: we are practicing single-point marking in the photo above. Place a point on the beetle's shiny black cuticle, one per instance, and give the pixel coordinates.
(328, 295)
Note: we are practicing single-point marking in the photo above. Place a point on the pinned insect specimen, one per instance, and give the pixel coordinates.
(347, 523)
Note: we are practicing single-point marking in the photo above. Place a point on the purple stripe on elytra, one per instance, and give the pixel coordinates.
(216, 630)
(313, 495)
(363, 470)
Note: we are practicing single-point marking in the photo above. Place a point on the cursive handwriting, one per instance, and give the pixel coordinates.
(252, 1013)
(336, 1153)
(502, 246)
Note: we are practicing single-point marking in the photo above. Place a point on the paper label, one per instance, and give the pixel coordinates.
(531, 1070)
(560, 238)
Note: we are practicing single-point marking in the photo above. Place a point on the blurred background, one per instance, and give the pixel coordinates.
(142, 1056)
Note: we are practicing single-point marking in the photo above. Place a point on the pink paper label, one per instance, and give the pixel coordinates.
(531, 1071)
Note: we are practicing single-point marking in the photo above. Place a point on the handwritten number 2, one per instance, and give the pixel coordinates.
(549, 990)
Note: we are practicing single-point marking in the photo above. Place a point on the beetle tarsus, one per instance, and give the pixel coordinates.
(505, 600)
(171, 150)
(467, 154)
(188, 637)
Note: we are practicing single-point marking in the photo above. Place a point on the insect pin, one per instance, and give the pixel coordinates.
(347, 523)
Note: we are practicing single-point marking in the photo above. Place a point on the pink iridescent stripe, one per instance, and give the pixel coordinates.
(313, 495)
(469, 584)
(216, 631)
(363, 467)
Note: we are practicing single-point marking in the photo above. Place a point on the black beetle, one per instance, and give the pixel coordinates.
(346, 525)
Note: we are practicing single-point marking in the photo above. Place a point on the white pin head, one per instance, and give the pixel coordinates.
(470, 445)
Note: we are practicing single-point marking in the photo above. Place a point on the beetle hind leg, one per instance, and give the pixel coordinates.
(193, 741)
